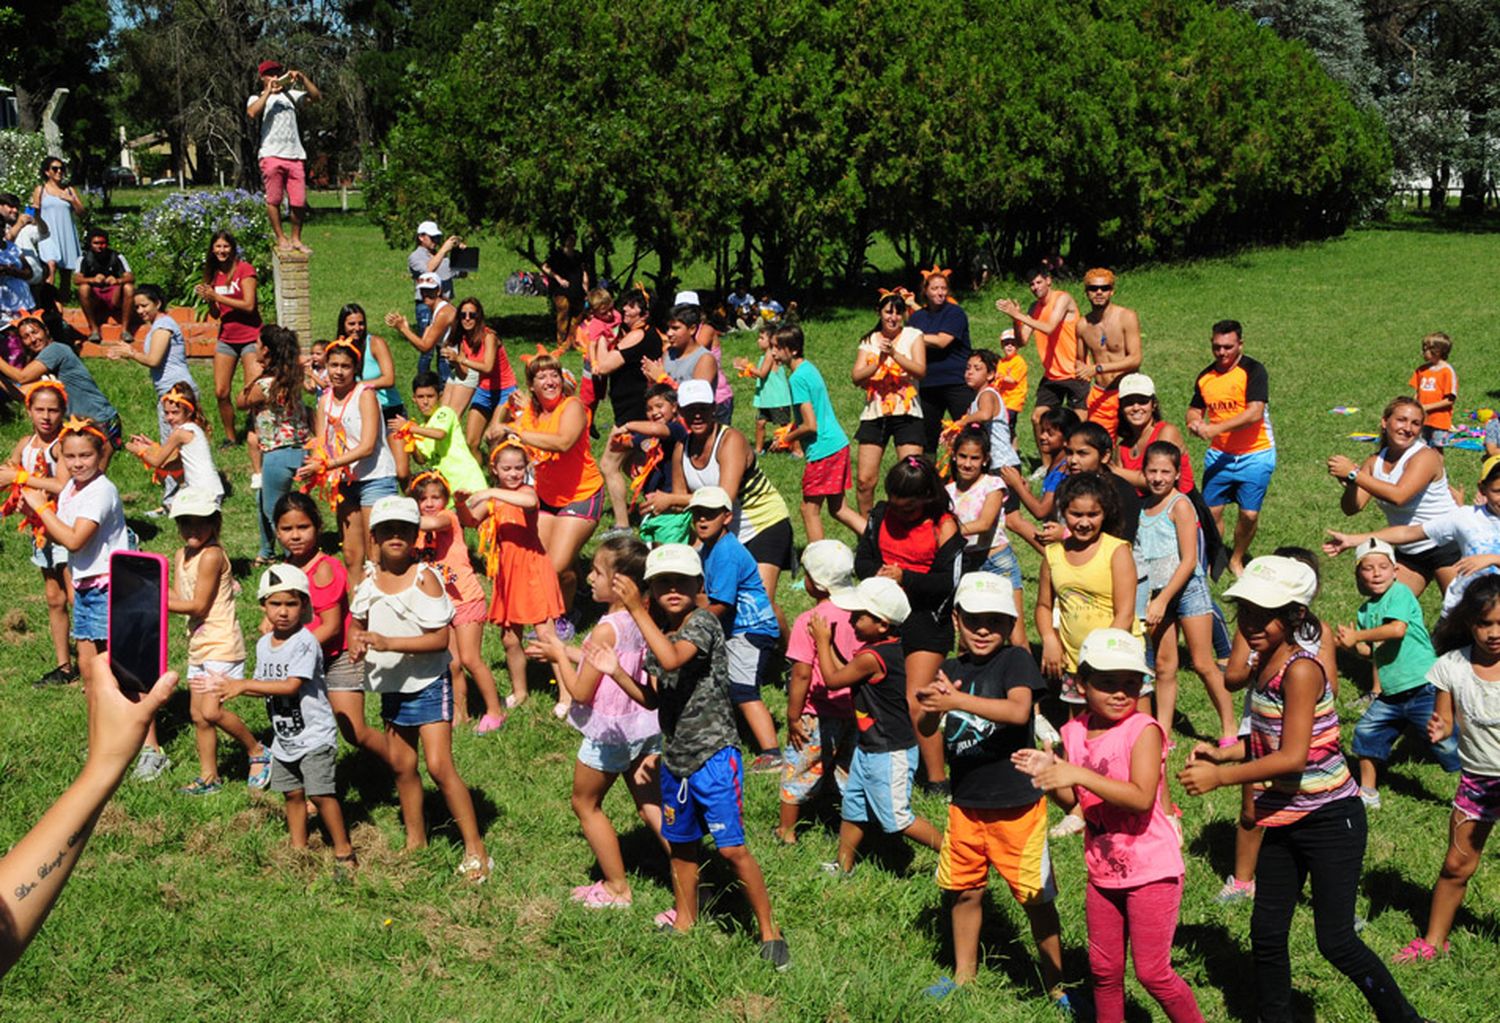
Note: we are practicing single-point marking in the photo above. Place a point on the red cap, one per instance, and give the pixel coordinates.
(269, 67)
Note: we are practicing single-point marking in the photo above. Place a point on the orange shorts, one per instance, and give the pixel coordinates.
(1013, 841)
(1104, 407)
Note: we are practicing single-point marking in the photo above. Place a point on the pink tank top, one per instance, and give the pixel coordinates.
(612, 716)
(1122, 849)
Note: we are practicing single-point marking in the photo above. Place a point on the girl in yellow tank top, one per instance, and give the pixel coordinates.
(204, 589)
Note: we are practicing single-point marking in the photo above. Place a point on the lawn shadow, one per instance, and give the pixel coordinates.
(1005, 945)
(174, 716)
(1215, 843)
(1411, 787)
(145, 529)
(435, 807)
(1229, 968)
(1355, 670)
(1389, 889)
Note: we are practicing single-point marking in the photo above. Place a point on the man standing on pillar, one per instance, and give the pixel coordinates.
(282, 158)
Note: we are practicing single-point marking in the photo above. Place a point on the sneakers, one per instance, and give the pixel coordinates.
(1234, 891)
(58, 676)
(1063, 1004)
(766, 762)
(255, 478)
(1369, 797)
(151, 764)
(1418, 952)
(832, 869)
(1069, 825)
(565, 629)
(776, 953)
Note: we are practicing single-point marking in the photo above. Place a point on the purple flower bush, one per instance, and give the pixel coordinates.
(167, 244)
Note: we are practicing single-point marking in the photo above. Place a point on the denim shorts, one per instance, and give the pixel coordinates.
(91, 614)
(1192, 601)
(616, 757)
(879, 786)
(366, 492)
(430, 705)
(485, 400)
(1388, 716)
(1004, 562)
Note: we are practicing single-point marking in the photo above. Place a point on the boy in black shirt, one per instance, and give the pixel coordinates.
(885, 754)
(106, 286)
(997, 817)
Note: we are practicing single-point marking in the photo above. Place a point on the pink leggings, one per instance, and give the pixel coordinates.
(1148, 915)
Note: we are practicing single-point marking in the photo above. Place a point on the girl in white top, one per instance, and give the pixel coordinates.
(350, 459)
(890, 362)
(184, 450)
(1409, 482)
(401, 615)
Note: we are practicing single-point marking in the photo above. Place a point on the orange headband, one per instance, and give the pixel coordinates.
(27, 314)
(936, 271)
(51, 385)
(508, 442)
(82, 425)
(421, 479)
(343, 342)
(180, 397)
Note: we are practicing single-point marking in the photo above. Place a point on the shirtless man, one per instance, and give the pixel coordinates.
(1054, 315)
(1109, 346)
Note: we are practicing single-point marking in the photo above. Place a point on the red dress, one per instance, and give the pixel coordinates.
(526, 589)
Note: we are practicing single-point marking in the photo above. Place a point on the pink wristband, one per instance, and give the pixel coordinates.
(1226, 741)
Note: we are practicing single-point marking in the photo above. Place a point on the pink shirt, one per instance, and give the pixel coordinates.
(451, 554)
(838, 703)
(1122, 849)
(612, 717)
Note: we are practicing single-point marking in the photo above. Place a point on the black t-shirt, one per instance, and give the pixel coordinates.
(628, 384)
(108, 263)
(980, 772)
(569, 266)
(880, 709)
(660, 478)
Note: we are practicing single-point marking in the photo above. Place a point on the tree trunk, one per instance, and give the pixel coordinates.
(1438, 194)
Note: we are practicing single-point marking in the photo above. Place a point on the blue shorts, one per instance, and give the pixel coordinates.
(366, 492)
(1386, 718)
(708, 801)
(430, 705)
(1436, 438)
(91, 614)
(485, 400)
(1192, 601)
(879, 786)
(1003, 562)
(1237, 479)
(616, 757)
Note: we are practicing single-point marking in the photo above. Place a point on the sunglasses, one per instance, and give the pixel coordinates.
(468, 314)
(55, 167)
(1098, 287)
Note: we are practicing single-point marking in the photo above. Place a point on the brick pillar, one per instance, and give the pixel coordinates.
(293, 294)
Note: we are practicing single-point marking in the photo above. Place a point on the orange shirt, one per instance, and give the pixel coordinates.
(562, 477)
(1434, 382)
(1059, 349)
(1224, 395)
(1010, 381)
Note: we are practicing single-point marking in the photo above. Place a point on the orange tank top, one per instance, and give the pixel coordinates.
(1059, 349)
(562, 477)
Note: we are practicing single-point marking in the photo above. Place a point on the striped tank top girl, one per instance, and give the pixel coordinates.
(1326, 779)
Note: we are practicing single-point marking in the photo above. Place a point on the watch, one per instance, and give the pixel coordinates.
(1350, 476)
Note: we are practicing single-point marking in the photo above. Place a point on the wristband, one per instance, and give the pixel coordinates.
(1226, 741)
(21, 477)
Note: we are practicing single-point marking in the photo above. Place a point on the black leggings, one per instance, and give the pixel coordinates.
(1328, 845)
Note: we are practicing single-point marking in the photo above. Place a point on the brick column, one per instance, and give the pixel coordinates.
(293, 294)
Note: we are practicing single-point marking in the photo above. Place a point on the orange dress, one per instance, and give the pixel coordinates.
(526, 589)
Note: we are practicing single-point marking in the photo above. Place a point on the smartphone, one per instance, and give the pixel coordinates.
(31, 212)
(137, 618)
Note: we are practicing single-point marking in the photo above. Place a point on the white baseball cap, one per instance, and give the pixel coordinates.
(429, 227)
(712, 497)
(686, 298)
(429, 282)
(395, 509)
(673, 559)
(830, 565)
(283, 579)
(884, 598)
(193, 502)
(985, 593)
(695, 392)
(1374, 546)
(1273, 581)
(1137, 385)
(1008, 334)
(1113, 650)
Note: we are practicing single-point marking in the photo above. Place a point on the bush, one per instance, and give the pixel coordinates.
(166, 244)
(21, 156)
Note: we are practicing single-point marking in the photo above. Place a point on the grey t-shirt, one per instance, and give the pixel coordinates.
(304, 722)
(84, 396)
(278, 125)
(417, 262)
(697, 719)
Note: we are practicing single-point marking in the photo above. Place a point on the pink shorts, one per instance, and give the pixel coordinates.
(827, 477)
(108, 295)
(471, 612)
(284, 178)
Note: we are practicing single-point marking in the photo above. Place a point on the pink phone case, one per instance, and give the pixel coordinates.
(160, 563)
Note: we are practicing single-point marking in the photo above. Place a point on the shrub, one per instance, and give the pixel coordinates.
(21, 156)
(167, 243)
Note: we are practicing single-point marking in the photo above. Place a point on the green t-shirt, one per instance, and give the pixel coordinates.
(807, 386)
(1402, 663)
(772, 391)
(451, 455)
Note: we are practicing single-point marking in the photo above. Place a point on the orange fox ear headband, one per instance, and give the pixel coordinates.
(24, 315)
(936, 271)
(83, 425)
(344, 342)
(30, 390)
(421, 479)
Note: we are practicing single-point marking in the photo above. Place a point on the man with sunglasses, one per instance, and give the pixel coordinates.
(1109, 347)
(1053, 316)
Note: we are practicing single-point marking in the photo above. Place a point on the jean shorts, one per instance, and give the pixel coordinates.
(366, 492)
(91, 614)
(616, 757)
(1388, 716)
(1192, 601)
(430, 705)
(1004, 562)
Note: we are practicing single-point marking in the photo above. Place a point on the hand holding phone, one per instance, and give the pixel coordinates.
(137, 618)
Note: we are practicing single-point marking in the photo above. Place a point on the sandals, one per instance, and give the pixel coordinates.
(597, 896)
(202, 787)
(260, 769)
(475, 871)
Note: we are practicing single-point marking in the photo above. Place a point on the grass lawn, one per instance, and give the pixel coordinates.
(199, 910)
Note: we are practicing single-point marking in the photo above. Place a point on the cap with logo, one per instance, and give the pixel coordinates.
(695, 392)
(985, 593)
(1274, 581)
(1113, 650)
(673, 559)
(395, 509)
(193, 502)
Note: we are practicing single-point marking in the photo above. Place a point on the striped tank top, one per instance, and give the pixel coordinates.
(1326, 778)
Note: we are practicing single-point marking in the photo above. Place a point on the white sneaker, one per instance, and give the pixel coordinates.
(1370, 797)
(255, 481)
(151, 764)
(1069, 825)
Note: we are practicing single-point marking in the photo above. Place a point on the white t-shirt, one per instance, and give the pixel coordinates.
(301, 723)
(1476, 711)
(29, 241)
(98, 501)
(1476, 531)
(408, 613)
(278, 125)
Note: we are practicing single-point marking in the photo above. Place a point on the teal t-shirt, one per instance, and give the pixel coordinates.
(1402, 663)
(773, 391)
(807, 386)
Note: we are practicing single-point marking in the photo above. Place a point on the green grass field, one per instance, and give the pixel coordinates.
(199, 910)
